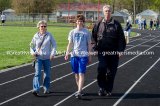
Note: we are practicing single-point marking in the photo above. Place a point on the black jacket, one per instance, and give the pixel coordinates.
(108, 36)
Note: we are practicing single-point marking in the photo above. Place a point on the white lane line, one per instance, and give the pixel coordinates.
(127, 92)
(9, 69)
(62, 64)
(141, 53)
(41, 86)
(30, 74)
(73, 94)
(16, 79)
(56, 80)
(16, 67)
(96, 80)
(139, 39)
(141, 43)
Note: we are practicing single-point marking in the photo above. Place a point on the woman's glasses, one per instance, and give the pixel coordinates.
(43, 26)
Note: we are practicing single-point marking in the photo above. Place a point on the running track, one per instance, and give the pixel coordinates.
(137, 82)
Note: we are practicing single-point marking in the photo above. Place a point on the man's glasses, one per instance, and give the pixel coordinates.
(43, 26)
(108, 11)
(80, 20)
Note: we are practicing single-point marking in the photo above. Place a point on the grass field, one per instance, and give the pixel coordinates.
(14, 43)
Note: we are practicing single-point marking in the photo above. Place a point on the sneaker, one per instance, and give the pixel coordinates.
(101, 92)
(35, 93)
(78, 95)
(46, 92)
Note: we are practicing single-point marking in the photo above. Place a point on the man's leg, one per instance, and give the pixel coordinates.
(112, 66)
(101, 77)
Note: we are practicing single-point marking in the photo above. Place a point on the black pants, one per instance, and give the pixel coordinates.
(107, 69)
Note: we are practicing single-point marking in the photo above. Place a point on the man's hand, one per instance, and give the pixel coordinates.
(89, 60)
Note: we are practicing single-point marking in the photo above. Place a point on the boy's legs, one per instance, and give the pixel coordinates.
(81, 71)
(79, 68)
(80, 82)
(77, 79)
(74, 64)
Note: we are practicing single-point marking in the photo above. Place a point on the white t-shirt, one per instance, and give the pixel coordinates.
(3, 17)
(80, 40)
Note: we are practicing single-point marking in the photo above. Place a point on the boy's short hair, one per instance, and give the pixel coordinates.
(80, 17)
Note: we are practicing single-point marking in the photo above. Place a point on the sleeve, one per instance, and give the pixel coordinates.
(94, 34)
(54, 46)
(121, 41)
(89, 37)
(33, 46)
(70, 36)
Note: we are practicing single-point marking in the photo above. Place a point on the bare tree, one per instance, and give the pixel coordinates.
(34, 6)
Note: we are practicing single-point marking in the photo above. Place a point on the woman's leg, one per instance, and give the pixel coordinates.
(37, 76)
(47, 70)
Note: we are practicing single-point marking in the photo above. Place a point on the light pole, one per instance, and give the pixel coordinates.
(98, 9)
(68, 11)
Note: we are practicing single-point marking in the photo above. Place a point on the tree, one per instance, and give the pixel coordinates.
(156, 5)
(4, 4)
(34, 6)
(22, 6)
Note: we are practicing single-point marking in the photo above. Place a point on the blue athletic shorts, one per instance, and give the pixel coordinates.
(79, 64)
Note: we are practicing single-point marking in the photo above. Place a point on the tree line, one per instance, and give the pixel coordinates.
(48, 6)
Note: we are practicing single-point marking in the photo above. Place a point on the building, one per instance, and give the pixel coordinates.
(10, 13)
(148, 15)
(90, 11)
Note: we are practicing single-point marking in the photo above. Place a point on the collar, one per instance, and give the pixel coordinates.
(111, 21)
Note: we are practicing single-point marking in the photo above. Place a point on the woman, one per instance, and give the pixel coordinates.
(43, 48)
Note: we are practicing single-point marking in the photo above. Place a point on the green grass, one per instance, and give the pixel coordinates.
(133, 34)
(16, 40)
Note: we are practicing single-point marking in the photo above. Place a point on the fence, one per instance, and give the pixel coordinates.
(32, 17)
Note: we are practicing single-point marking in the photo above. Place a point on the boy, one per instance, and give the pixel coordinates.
(80, 46)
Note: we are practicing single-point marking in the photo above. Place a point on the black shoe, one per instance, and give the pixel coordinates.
(101, 92)
(35, 93)
(108, 94)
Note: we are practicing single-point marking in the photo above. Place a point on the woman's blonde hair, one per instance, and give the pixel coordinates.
(41, 22)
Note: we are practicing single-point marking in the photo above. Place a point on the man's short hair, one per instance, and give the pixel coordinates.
(80, 17)
(107, 6)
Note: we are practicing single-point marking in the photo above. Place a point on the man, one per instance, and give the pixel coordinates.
(109, 40)
(80, 47)
(3, 18)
